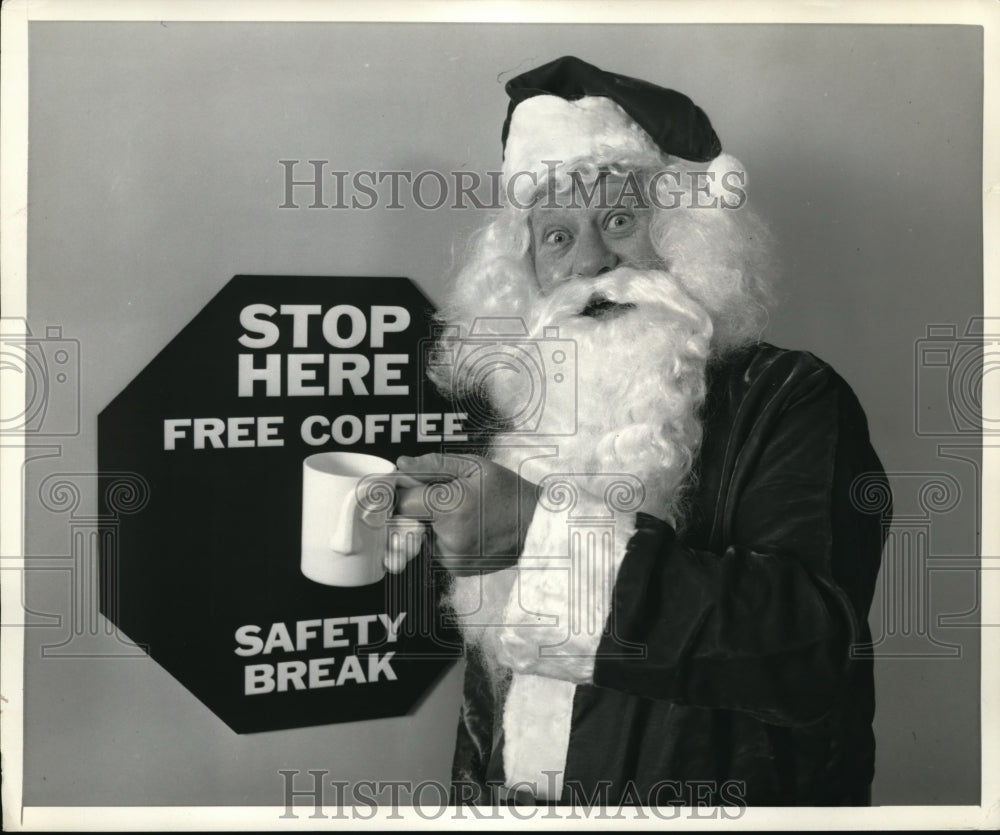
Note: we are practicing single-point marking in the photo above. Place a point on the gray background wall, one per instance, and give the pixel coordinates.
(154, 177)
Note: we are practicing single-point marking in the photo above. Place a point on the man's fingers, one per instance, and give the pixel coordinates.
(404, 544)
(395, 563)
(423, 470)
(410, 502)
(437, 467)
(400, 479)
(374, 511)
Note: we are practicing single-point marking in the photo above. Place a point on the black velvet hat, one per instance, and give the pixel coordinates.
(675, 124)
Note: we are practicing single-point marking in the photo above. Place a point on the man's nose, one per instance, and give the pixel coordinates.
(593, 257)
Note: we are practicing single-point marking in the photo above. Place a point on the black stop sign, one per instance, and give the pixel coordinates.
(201, 563)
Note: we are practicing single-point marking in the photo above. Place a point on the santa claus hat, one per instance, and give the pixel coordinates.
(569, 111)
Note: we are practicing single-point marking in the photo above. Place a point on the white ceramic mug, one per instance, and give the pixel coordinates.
(338, 547)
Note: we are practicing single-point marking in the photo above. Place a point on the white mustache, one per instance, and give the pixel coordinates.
(655, 291)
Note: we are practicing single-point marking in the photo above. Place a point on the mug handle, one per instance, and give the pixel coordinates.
(342, 539)
(380, 495)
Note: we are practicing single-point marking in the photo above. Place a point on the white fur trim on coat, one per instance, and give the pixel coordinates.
(536, 725)
(560, 603)
(553, 623)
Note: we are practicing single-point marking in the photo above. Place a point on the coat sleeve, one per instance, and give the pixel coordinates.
(765, 626)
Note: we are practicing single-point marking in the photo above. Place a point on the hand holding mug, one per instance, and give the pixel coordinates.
(348, 535)
(484, 526)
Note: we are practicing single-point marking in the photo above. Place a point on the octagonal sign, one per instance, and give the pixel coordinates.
(201, 461)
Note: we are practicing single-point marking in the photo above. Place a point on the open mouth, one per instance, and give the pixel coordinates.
(599, 307)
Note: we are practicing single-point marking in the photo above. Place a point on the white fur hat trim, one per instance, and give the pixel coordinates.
(550, 129)
(728, 167)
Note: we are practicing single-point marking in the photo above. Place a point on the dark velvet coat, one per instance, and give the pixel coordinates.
(753, 686)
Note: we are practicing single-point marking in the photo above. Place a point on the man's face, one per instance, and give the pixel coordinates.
(582, 238)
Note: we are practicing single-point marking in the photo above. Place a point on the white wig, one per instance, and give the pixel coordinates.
(720, 254)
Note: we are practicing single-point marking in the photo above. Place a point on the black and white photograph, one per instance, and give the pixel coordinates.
(455, 415)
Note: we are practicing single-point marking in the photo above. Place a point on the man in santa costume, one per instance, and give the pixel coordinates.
(663, 562)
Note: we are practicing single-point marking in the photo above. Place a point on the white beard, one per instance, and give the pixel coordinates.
(640, 382)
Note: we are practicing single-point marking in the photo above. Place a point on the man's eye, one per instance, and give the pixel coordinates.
(556, 237)
(619, 220)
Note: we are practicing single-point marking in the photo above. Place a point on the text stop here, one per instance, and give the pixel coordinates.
(351, 365)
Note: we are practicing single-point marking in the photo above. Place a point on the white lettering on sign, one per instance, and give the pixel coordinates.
(318, 375)
(344, 327)
(311, 370)
(260, 331)
(316, 430)
(283, 676)
(313, 633)
(219, 433)
(345, 430)
(330, 633)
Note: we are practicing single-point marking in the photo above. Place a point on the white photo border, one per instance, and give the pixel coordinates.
(13, 208)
